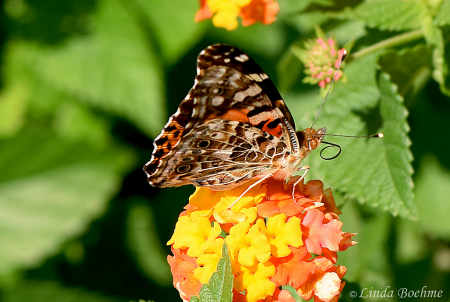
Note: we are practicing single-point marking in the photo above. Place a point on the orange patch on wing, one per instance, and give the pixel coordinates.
(170, 138)
(277, 131)
(236, 115)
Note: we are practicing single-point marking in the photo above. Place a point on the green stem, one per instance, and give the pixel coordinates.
(391, 42)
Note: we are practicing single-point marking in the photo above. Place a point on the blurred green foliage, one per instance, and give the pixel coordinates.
(87, 85)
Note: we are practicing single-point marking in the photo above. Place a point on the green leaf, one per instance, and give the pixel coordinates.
(249, 38)
(289, 68)
(19, 69)
(409, 69)
(342, 114)
(395, 164)
(366, 262)
(144, 243)
(436, 38)
(289, 6)
(411, 245)
(390, 14)
(348, 32)
(172, 25)
(433, 204)
(50, 191)
(51, 291)
(13, 104)
(373, 171)
(75, 122)
(397, 185)
(220, 285)
(28, 95)
(114, 67)
(443, 16)
(307, 21)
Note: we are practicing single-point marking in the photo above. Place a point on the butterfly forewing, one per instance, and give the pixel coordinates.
(234, 58)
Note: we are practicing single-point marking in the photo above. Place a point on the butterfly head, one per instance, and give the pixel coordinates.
(309, 139)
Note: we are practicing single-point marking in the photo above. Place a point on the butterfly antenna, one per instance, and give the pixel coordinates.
(331, 84)
(332, 145)
(356, 136)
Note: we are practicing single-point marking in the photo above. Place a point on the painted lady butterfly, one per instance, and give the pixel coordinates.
(232, 127)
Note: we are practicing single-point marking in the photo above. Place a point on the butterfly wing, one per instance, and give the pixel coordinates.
(221, 154)
(235, 59)
(229, 88)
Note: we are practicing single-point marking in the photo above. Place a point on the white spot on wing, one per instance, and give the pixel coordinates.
(251, 91)
(255, 77)
(242, 58)
(202, 110)
(217, 100)
(218, 135)
(263, 116)
(233, 81)
(219, 72)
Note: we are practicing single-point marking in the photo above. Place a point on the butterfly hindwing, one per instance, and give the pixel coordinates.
(222, 154)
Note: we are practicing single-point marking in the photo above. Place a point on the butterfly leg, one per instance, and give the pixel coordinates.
(306, 168)
(249, 188)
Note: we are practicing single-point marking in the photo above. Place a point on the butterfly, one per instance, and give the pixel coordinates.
(232, 127)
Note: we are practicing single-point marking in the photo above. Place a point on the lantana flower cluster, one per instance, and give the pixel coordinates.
(321, 58)
(224, 13)
(275, 238)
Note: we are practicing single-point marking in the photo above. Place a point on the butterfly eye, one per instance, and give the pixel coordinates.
(312, 144)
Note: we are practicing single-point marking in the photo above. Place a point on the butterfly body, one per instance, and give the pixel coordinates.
(232, 127)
